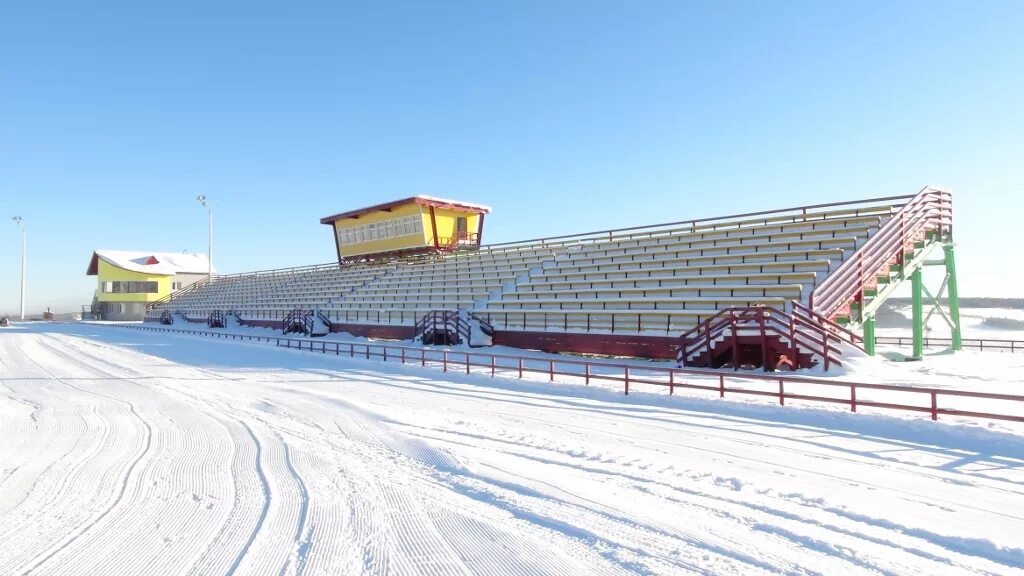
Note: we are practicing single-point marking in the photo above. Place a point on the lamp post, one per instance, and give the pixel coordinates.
(17, 220)
(209, 255)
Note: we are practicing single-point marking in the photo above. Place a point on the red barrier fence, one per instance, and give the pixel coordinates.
(981, 344)
(722, 383)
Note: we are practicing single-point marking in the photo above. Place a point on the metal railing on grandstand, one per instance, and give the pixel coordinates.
(779, 215)
(797, 214)
(667, 378)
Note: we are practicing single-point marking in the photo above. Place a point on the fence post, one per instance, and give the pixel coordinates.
(782, 392)
(721, 386)
(625, 371)
(492, 366)
(935, 406)
(445, 360)
(735, 342)
(707, 338)
(467, 362)
(586, 374)
(520, 368)
(423, 356)
(824, 338)
(403, 355)
(764, 340)
(551, 370)
(671, 382)
(853, 398)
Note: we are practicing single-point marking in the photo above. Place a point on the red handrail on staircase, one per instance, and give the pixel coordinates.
(931, 210)
(803, 333)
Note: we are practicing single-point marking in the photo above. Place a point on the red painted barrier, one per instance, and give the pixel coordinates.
(631, 375)
(980, 344)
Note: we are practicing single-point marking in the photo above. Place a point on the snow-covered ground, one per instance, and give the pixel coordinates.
(124, 452)
(980, 323)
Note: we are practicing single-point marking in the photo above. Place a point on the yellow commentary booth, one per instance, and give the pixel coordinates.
(416, 225)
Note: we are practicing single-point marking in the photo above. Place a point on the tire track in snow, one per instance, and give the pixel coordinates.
(1008, 557)
(232, 413)
(228, 521)
(439, 466)
(124, 481)
(303, 533)
(265, 486)
(771, 511)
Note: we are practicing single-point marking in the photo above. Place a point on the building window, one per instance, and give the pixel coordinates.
(387, 229)
(175, 286)
(130, 287)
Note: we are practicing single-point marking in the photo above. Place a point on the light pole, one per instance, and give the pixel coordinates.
(17, 220)
(209, 255)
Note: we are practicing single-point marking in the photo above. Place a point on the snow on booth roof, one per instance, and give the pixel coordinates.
(420, 199)
(168, 263)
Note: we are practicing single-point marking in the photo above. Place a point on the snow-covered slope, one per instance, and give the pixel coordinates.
(978, 319)
(134, 453)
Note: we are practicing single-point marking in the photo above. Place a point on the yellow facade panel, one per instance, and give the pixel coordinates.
(381, 231)
(109, 273)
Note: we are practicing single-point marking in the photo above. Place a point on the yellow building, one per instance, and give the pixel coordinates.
(127, 281)
(418, 224)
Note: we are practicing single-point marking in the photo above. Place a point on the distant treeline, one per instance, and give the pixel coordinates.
(1008, 303)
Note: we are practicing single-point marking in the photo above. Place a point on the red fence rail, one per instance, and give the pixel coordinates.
(980, 344)
(782, 388)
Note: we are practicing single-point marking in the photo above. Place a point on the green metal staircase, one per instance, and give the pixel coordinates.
(896, 252)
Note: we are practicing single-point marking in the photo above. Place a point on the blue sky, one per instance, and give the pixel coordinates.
(563, 116)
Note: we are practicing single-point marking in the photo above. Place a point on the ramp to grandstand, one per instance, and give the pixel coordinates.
(774, 288)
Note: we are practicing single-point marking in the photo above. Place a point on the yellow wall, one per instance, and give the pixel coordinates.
(387, 244)
(445, 229)
(446, 223)
(109, 273)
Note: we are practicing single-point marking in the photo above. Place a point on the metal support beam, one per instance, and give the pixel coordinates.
(917, 289)
(869, 335)
(954, 297)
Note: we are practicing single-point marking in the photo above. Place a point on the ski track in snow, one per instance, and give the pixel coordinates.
(138, 453)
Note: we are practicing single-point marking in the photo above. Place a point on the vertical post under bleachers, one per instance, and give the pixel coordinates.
(954, 296)
(869, 335)
(917, 289)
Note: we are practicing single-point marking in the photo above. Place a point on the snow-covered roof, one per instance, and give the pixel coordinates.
(168, 263)
(423, 200)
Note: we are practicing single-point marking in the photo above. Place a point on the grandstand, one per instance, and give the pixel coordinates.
(788, 286)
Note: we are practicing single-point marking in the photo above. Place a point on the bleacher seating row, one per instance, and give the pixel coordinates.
(658, 280)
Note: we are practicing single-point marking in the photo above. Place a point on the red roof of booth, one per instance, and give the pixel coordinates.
(422, 200)
(163, 263)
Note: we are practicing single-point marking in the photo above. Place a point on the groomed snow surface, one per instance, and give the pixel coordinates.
(127, 452)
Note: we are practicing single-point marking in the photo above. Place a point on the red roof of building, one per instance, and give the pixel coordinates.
(422, 200)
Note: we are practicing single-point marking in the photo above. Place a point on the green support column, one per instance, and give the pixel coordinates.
(954, 297)
(869, 335)
(918, 320)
